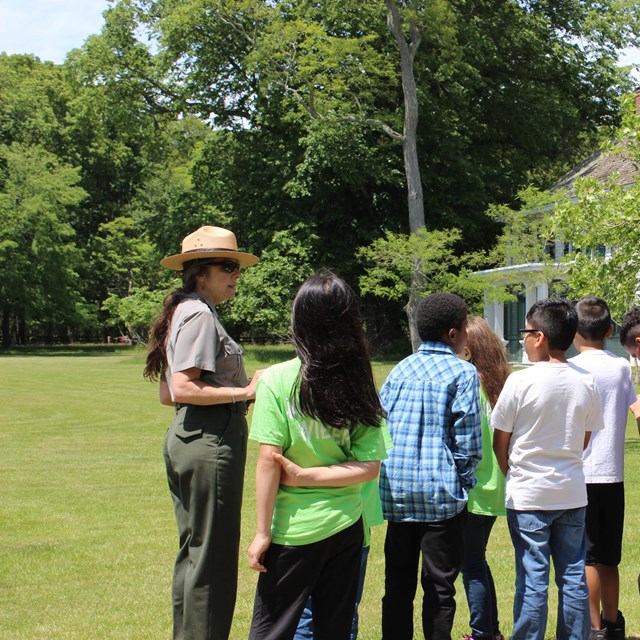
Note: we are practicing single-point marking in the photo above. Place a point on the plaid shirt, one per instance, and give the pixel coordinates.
(432, 400)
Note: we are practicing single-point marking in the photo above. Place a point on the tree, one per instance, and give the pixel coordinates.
(262, 115)
(528, 240)
(605, 261)
(487, 77)
(263, 307)
(599, 222)
(392, 262)
(39, 259)
(136, 311)
(491, 77)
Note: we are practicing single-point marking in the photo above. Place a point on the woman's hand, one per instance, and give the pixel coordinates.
(291, 475)
(256, 552)
(249, 392)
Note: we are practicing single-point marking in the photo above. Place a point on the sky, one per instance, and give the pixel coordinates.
(49, 29)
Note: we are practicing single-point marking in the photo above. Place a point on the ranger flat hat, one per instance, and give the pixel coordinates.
(209, 242)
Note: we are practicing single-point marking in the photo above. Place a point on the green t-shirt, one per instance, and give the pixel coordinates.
(304, 515)
(371, 505)
(487, 497)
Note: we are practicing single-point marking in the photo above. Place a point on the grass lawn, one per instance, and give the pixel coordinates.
(88, 538)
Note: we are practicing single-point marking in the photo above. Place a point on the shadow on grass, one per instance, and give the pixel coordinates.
(269, 354)
(70, 350)
(632, 446)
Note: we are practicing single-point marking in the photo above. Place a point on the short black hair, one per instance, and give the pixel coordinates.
(557, 319)
(438, 313)
(630, 328)
(594, 318)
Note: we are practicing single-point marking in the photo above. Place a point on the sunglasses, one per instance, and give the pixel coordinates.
(228, 266)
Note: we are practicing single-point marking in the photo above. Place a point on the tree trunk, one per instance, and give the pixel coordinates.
(6, 329)
(411, 307)
(22, 331)
(415, 198)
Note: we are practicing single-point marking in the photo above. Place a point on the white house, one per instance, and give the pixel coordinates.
(507, 318)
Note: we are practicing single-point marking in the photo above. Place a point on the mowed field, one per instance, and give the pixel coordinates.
(87, 535)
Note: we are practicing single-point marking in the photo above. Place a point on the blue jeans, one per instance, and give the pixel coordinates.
(305, 626)
(538, 536)
(477, 578)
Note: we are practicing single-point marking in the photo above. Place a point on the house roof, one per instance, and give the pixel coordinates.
(601, 165)
(505, 274)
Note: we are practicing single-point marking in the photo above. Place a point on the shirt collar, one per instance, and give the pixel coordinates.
(430, 347)
(196, 296)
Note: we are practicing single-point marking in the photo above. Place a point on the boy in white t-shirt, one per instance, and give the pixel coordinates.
(542, 421)
(604, 466)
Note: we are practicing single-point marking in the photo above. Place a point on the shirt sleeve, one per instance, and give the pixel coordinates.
(467, 449)
(196, 343)
(269, 421)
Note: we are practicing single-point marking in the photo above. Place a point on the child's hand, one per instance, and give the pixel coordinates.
(291, 475)
(256, 552)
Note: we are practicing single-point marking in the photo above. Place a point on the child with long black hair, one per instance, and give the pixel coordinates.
(321, 412)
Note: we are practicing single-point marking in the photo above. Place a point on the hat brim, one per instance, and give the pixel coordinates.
(177, 261)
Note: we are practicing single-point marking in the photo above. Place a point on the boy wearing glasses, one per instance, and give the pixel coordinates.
(542, 421)
(604, 466)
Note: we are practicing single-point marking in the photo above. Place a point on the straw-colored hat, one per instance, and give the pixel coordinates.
(209, 242)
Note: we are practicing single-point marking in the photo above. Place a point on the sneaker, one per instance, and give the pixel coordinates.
(615, 630)
(598, 634)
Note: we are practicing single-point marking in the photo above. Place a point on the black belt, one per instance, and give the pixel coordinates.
(235, 407)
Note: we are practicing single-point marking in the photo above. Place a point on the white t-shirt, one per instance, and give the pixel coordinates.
(547, 408)
(604, 457)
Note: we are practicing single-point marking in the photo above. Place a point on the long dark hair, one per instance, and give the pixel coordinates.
(335, 384)
(159, 330)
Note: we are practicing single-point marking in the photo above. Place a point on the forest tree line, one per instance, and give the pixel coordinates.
(286, 122)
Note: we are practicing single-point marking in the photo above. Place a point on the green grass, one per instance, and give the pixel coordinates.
(88, 538)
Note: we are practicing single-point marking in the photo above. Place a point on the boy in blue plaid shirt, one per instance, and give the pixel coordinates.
(432, 401)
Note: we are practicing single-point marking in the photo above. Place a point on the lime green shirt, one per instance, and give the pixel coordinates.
(487, 497)
(371, 505)
(304, 515)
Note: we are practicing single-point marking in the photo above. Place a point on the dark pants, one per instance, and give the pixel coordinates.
(441, 546)
(328, 571)
(205, 452)
(305, 625)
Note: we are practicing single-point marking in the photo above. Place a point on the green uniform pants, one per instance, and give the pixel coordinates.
(205, 451)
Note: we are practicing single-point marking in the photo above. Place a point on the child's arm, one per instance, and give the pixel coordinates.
(467, 431)
(501, 441)
(335, 475)
(267, 482)
(635, 409)
(587, 437)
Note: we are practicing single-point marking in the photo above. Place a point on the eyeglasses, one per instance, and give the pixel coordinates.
(525, 331)
(228, 266)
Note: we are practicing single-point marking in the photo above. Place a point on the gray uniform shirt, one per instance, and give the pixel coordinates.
(198, 339)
